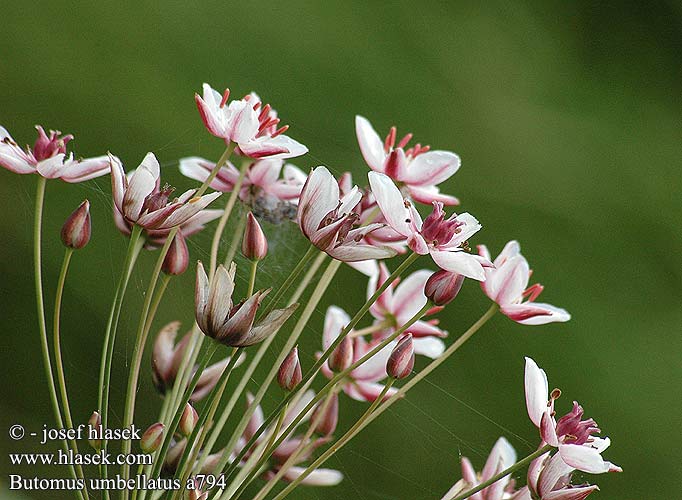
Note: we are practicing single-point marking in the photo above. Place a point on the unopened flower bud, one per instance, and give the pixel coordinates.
(76, 229)
(177, 258)
(198, 495)
(289, 375)
(443, 286)
(152, 438)
(254, 243)
(95, 424)
(326, 415)
(188, 421)
(401, 361)
(341, 357)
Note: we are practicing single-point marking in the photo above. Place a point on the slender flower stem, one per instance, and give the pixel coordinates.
(138, 351)
(252, 277)
(310, 307)
(234, 195)
(381, 325)
(222, 161)
(236, 237)
(518, 465)
(293, 276)
(343, 374)
(196, 440)
(313, 370)
(58, 359)
(170, 429)
(338, 444)
(255, 361)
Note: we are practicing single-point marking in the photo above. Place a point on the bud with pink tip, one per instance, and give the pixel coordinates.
(401, 361)
(95, 425)
(326, 415)
(198, 495)
(341, 357)
(152, 438)
(188, 421)
(76, 230)
(177, 258)
(289, 375)
(443, 286)
(254, 243)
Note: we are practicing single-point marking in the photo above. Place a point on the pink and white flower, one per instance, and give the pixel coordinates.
(571, 435)
(328, 220)
(270, 186)
(507, 285)
(397, 305)
(417, 169)
(549, 478)
(501, 457)
(444, 239)
(49, 159)
(363, 382)
(319, 477)
(141, 201)
(247, 122)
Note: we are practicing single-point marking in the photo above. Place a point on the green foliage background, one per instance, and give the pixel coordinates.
(567, 119)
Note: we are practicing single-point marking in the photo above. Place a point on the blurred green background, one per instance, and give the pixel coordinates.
(566, 116)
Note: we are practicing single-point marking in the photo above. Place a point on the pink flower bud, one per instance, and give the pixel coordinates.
(254, 243)
(443, 286)
(188, 421)
(152, 438)
(76, 229)
(95, 424)
(177, 258)
(401, 360)
(289, 375)
(326, 422)
(341, 357)
(198, 495)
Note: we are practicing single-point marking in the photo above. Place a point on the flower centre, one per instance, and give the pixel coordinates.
(47, 147)
(158, 199)
(436, 229)
(390, 145)
(571, 429)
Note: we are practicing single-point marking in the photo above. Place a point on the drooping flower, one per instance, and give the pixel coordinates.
(507, 285)
(573, 437)
(549, 478)
(328, 220)
(141, 201)
(418, 169)
(269, 196)
(48, 158)
(289, 446)
(167, 357)
(362, 383)
(247, 122)
(501, 457)
(445, 239)
(228, 323)
(399, 303)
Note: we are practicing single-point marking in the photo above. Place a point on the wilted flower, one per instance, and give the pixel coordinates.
(501, 457)
(177, 257)
(254, 242)
(76, 230)
(289, 446)
(506, 285)
(228, 323)
(362, 383)
(152, 438)
(401, 361)
(289, 374)
(327, 220)
(141, 201)
(417, 169)
(399, 303)
(572, 436)
(48, 158)
(444, 239)
(167, 357)
(549, 478)
(247, 122)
